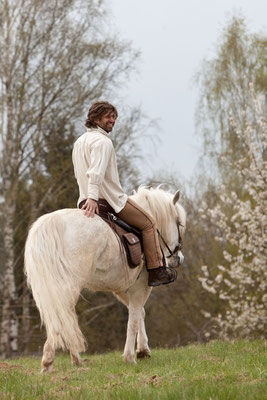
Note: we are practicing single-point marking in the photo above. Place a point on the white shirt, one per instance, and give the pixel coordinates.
(95, 168)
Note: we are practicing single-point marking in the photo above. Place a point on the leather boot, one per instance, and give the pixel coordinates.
(161, 276)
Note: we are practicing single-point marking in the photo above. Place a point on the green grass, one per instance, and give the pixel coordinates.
(216, 371)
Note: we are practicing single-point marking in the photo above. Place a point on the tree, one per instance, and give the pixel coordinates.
(55, 60)
(224, 82)
(242, 279)
(131, 127)
(231, 124)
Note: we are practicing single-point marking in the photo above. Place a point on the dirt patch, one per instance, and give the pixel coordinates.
(4, 365)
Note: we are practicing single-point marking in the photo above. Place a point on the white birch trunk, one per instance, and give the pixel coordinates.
(26, 299)
(9, 323)
(26, 318)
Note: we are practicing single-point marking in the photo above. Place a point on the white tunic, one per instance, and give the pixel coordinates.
(95, 168)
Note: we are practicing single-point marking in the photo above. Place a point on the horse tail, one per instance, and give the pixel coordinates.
(54, 285)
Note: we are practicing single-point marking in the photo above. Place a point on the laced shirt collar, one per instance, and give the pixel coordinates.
(99, 130)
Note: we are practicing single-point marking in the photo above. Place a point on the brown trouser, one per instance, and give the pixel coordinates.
(134, 215)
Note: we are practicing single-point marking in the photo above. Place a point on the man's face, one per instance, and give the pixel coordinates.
(107, 121)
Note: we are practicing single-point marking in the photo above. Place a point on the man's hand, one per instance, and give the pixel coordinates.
(90, 207)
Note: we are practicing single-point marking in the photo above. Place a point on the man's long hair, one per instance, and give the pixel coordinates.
(96, 111)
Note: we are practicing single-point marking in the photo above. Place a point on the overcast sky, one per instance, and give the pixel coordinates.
(173, 37)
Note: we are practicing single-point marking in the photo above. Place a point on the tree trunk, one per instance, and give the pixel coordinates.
(9, 323)
(26, 298)
(26, 318)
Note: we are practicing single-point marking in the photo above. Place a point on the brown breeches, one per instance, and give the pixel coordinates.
(136, 216)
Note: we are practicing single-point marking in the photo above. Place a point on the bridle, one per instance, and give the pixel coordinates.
(180, 241)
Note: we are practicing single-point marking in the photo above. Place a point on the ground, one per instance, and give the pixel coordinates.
(215, 371)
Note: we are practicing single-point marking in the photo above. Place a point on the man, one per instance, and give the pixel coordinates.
(97, 175)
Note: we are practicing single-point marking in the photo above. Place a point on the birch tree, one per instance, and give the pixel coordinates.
(240, 282)
(56, 58)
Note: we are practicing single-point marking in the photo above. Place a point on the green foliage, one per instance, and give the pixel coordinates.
(218, 370)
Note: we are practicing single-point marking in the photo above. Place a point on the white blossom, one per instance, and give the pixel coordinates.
(205, 270)
(206, 313)
(204, 284)
(242, 281)
(218, 278)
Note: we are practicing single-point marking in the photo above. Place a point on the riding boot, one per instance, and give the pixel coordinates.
(161, 276)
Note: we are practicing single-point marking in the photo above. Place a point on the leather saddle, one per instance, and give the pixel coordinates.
(130, 237)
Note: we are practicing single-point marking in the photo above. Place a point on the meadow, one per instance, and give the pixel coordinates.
(214, 371)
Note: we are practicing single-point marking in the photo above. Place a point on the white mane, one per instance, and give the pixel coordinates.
(159, 203)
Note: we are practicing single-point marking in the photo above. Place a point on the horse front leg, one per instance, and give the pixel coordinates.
(132, 329)
(137, 296)
(143, 350)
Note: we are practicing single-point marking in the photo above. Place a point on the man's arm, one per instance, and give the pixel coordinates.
(100, 155)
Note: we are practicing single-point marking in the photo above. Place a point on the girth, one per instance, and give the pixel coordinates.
(129, 236)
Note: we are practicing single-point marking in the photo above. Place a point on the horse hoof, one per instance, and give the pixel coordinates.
(76, 361)
(129, 359)
(46, 369)
(143, 354)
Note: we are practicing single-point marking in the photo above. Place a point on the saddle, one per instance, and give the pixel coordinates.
(130, 237)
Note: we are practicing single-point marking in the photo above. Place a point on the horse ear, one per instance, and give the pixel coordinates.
(176, 197)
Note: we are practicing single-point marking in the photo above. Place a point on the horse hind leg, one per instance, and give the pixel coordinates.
(48, 356)
(71, 332)
(75, 358)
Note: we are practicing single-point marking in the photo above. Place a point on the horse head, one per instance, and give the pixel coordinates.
(176, 255)
(170, 217)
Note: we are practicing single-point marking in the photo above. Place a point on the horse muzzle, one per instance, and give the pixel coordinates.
(177, 260)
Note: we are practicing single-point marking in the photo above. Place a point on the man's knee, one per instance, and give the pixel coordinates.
(149, 224)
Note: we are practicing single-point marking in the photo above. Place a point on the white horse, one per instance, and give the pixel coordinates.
(66, 252)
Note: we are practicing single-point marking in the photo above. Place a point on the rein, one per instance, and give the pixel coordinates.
(178, 247)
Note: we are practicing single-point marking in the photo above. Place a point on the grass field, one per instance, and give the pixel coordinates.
(216, 371)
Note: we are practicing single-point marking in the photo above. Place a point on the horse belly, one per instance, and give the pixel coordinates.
(95, 254)
(112, 272)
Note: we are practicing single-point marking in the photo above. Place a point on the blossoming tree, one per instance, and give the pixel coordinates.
(241, 221)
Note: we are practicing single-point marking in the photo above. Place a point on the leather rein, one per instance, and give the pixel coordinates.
(180, 242)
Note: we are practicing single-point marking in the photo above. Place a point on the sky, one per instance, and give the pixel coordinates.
(174, 37)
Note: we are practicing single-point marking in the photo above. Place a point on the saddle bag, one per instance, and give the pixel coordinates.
(133, 249)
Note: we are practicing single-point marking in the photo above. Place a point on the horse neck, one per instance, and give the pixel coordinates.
(159, 213)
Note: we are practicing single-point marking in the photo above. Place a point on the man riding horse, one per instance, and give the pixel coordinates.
(97, 176)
